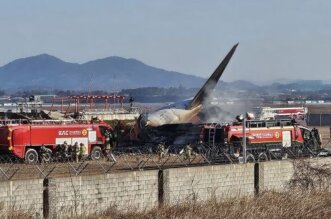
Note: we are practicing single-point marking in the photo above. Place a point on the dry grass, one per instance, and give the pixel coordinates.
(311, 176)
(269, 204)
(16, 214)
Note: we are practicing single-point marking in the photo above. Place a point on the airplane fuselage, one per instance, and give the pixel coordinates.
(170, 115)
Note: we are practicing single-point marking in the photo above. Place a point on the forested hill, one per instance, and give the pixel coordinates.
(111, 73)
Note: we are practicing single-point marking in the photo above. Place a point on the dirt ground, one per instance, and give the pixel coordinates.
(18, 171)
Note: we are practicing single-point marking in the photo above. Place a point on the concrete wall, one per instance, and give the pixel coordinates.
(88, 194)
(275, 175)
(23, 195)
(202, 183)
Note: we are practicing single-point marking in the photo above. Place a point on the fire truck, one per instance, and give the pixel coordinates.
(30, 141)
(264, 139)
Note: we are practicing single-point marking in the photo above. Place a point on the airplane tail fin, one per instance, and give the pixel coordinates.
(212, 80)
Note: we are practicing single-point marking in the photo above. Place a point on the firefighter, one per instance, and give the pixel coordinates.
(114, 140)
(70, 151)
(59, 149)
(76, 151)
(109, 141)
(82, 151)
(120, 130)
(236, 152)
(45, 154)
(161, 150)
(65, 149)
(188, 152)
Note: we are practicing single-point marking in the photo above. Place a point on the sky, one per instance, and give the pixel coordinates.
(278, 40)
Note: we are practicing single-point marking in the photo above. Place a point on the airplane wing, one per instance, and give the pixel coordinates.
(212, 81)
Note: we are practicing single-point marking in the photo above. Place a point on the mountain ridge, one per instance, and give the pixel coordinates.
(110, 73)
(48, 71)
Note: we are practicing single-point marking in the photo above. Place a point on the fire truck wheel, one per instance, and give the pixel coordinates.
(96, 153)
(31, 156)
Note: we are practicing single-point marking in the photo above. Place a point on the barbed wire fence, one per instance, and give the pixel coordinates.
(131, 159)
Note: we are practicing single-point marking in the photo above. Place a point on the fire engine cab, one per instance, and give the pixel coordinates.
(26, 140)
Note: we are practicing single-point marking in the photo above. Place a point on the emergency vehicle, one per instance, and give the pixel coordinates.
(263, 138)
(27, 140)
(266, 139)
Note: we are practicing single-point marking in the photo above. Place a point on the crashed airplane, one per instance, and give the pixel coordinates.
(185, 111)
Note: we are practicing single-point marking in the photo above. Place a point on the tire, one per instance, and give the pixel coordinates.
(31, 156)
(96, 153)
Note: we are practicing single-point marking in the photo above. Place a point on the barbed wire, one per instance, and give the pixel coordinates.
(135, 158)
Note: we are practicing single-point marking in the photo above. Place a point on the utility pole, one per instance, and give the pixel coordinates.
(244, 140)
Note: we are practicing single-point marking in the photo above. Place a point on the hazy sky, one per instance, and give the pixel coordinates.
(278, 39)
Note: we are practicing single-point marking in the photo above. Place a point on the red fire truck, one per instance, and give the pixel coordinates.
(26, 140)
(266, 139)
(263, 137)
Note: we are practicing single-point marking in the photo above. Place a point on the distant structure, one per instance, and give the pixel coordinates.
(103, 107)
(297, 102)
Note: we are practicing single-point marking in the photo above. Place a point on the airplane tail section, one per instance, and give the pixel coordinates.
(212, 80)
